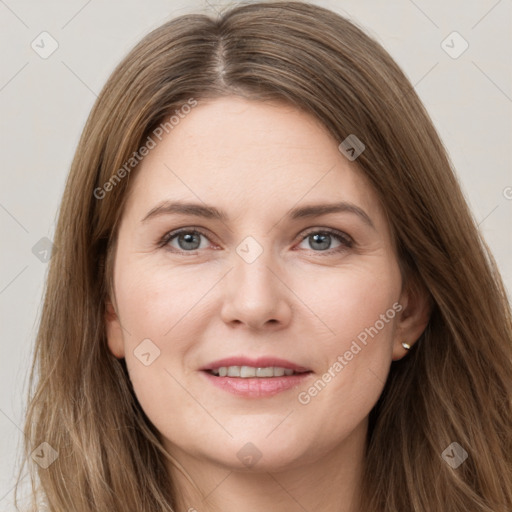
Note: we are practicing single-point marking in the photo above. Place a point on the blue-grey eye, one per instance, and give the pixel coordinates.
(187, 240)
(322, 240)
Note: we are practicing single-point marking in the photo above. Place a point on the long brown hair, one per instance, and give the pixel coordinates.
(454, 386)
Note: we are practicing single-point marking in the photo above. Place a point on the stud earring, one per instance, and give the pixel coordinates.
(406, 345)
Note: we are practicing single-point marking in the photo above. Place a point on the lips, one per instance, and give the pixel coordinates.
(255, 378)
(261, 362)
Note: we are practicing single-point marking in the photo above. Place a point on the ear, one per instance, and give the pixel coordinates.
(114, 331)
(412, 319)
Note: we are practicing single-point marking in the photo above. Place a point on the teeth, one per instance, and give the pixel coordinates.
(265, 372)
(233, 371)
(246, 372)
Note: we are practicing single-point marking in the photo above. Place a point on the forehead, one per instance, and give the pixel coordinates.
(249, 156)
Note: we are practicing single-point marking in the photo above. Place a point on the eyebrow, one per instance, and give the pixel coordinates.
(210, 212)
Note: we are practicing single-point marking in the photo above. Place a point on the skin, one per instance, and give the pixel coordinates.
(299, 300)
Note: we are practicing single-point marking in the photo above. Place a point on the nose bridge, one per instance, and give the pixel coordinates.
(255, 294)
(255, 265)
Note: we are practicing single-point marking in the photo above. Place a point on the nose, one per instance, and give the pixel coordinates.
(256, 294)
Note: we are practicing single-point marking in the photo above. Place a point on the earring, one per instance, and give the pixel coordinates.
(406, 345)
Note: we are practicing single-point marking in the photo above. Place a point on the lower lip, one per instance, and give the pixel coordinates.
(257, 387)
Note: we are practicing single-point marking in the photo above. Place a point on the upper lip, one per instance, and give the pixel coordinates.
(260, 362)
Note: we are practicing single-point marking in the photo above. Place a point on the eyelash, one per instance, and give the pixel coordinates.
(346, 241)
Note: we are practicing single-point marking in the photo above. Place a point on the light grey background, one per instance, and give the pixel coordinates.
(45, 102)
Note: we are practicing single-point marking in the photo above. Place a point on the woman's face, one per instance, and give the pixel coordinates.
(269, 283)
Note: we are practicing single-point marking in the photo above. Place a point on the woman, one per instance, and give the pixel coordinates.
(255, 370)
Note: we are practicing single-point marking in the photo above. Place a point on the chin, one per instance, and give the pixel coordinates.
(256, 453)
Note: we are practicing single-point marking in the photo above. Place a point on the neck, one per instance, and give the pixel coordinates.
(330, 483)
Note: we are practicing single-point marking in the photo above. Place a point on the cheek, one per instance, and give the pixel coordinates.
(158, 336)
(357, 301)
(360, 308)
(152, 299)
